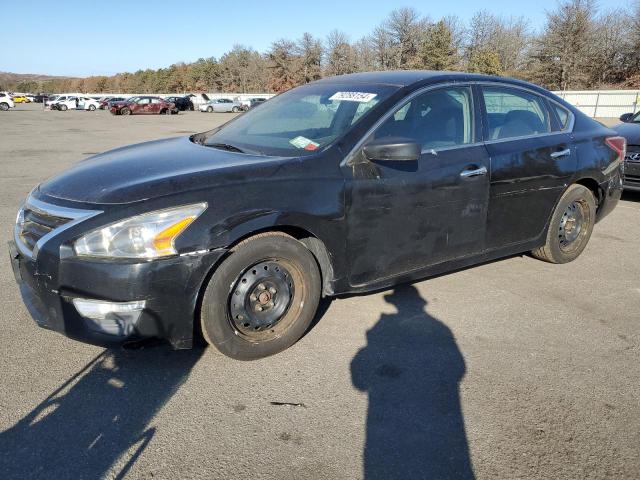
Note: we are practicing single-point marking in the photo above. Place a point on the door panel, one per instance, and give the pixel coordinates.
(406, 215)
(530, 165)
(526, 182)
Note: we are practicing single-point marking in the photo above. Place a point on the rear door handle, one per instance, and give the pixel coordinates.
(561, 153)
(476, 172)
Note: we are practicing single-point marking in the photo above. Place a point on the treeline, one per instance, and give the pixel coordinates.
(579, 47)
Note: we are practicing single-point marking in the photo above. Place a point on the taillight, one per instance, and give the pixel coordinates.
(618, 145)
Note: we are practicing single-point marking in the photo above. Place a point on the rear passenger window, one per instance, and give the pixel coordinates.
(562, 114)
(436, 119)
(514, 113)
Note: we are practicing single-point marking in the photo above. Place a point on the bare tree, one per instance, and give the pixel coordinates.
(340, 54)
(383, 48)
(565, 48)
(283, 65)
(310, 51)
(405, 27)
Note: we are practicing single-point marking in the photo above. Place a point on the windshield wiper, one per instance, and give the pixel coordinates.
(226, 146)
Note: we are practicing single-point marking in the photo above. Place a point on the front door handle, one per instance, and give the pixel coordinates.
(475, 172)
(561, 153)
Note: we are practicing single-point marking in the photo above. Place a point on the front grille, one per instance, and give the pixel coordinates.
(35, 224)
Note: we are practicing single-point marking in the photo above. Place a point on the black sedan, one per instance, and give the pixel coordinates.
(630, 129)
(347, 184)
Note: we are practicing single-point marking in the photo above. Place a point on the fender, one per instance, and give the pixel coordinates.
(306, 228)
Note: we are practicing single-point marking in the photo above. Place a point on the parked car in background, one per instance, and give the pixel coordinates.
(40, 98)
(19, 99)
(75, 103)
(6, 102)
(221, 105)
(105, 103)
(30, 98)
(198, 99)
(630, 129)
(347, 184)
(182, 103)
(54, 98)
(143, 105)
(254, 102)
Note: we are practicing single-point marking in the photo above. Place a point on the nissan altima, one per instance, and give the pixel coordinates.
(347, 184)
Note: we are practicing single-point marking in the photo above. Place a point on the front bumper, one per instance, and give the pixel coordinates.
(168, 288)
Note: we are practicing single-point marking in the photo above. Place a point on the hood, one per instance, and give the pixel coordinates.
(630, 131)
(148, 170)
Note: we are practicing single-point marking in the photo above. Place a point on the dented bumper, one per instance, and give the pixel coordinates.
(160, 297)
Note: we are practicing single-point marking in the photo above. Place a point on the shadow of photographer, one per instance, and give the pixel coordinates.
(411, 368)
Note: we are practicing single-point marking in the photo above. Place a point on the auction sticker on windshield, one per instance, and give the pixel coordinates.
(303, 142)
(353, 96)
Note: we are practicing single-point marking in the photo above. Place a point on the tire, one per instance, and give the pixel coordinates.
(277, 284)
(4, 106)
(167, 111)
(235, 109)
(125, 111)
(62, 108)
(210, 109)
(570, 227)
(92, 108)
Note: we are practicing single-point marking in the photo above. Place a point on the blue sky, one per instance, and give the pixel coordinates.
(102, 38)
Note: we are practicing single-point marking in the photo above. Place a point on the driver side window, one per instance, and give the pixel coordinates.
(439, 118)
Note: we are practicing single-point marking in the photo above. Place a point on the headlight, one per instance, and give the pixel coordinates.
(150, 235)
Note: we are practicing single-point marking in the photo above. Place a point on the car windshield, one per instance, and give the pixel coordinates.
(302, 120)
(636, 118)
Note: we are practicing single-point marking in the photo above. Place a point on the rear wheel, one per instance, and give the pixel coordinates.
(92, 108)
(262, 298)
(210, 109)
(62, 107)
(570, 227)
(235, 109)
(167, 111)
(125, 111)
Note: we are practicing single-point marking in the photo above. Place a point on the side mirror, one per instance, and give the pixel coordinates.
(391, 149)
(625, 117)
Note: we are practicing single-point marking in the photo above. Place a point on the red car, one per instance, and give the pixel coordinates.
(143, 105)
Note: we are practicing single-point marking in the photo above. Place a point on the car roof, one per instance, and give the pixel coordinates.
(406, 78)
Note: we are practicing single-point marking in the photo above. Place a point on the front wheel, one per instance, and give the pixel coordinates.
(62, 108)
(210, 109)
(235, 109)
(262, 298)
(570, 227)
(125, 111)
(92, 108)
(4, 106)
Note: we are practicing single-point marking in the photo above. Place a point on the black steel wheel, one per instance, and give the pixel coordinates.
(570, 227)
(262, 298)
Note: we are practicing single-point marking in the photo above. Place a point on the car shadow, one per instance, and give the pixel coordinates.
(630, 196)
(102, 413)
(411, 369)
